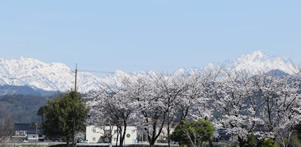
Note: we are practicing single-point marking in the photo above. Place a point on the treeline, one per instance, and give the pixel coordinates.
(266, 105)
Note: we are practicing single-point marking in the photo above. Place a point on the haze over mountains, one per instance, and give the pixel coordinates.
(37, 75)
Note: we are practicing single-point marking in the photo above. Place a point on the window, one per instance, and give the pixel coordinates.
(21, 133)
(93, 138)
(94, 130)
(128, 135)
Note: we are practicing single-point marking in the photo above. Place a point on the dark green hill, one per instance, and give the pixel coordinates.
(23, 107)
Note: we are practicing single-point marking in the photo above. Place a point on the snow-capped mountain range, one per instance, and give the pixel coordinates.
(51, 77)
(59, 77)
(257, 62)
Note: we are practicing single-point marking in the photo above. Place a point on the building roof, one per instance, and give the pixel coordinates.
(22, 126)
(33, 131)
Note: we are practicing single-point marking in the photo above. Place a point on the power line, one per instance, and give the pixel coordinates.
(95, 71)
(132, 65)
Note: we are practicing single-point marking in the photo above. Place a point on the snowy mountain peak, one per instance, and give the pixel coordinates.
(255, 56)
(259, 62)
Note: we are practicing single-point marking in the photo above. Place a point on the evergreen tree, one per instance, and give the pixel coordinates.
(195, 132)
(251, 142)
(63, 114)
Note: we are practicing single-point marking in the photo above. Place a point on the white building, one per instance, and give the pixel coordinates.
(102, 134)
(33, 137)
(35, 134)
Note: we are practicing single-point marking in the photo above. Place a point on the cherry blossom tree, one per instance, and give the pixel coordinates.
(112, 106)
(194, 102)
(264, 105)
(234, 106)
(172, 88)
(150, 110)
(281, 105)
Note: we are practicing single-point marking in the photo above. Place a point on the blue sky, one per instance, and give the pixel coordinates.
(136, 35)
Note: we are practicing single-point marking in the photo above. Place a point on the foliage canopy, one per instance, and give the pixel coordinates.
(60, 114)
(194, 132)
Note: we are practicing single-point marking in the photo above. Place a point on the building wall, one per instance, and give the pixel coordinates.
(21, 133)
(32, 136)
(95, 134)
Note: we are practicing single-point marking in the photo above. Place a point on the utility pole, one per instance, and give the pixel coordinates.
(75, 78)
(37, 135)
(74, 128)
(74, 111)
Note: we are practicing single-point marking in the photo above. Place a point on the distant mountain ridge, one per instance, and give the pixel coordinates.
(37, 75)
(23, 90)
(259, 62)
(50, 77)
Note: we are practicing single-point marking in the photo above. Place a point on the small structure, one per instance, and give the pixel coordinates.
(20, 132)
(108, 134)
(21, 129)
(35, 134)
(25, 132)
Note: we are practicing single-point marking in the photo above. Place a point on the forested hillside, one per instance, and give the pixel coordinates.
(23, 107)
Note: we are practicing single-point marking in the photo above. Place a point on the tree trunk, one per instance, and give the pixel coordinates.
(67, 140)
(241, 142)
(117, 136)
(168, 124)
(194, 135)
(122, 135)
(152, 143)
(210, 143)
(168, 133)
